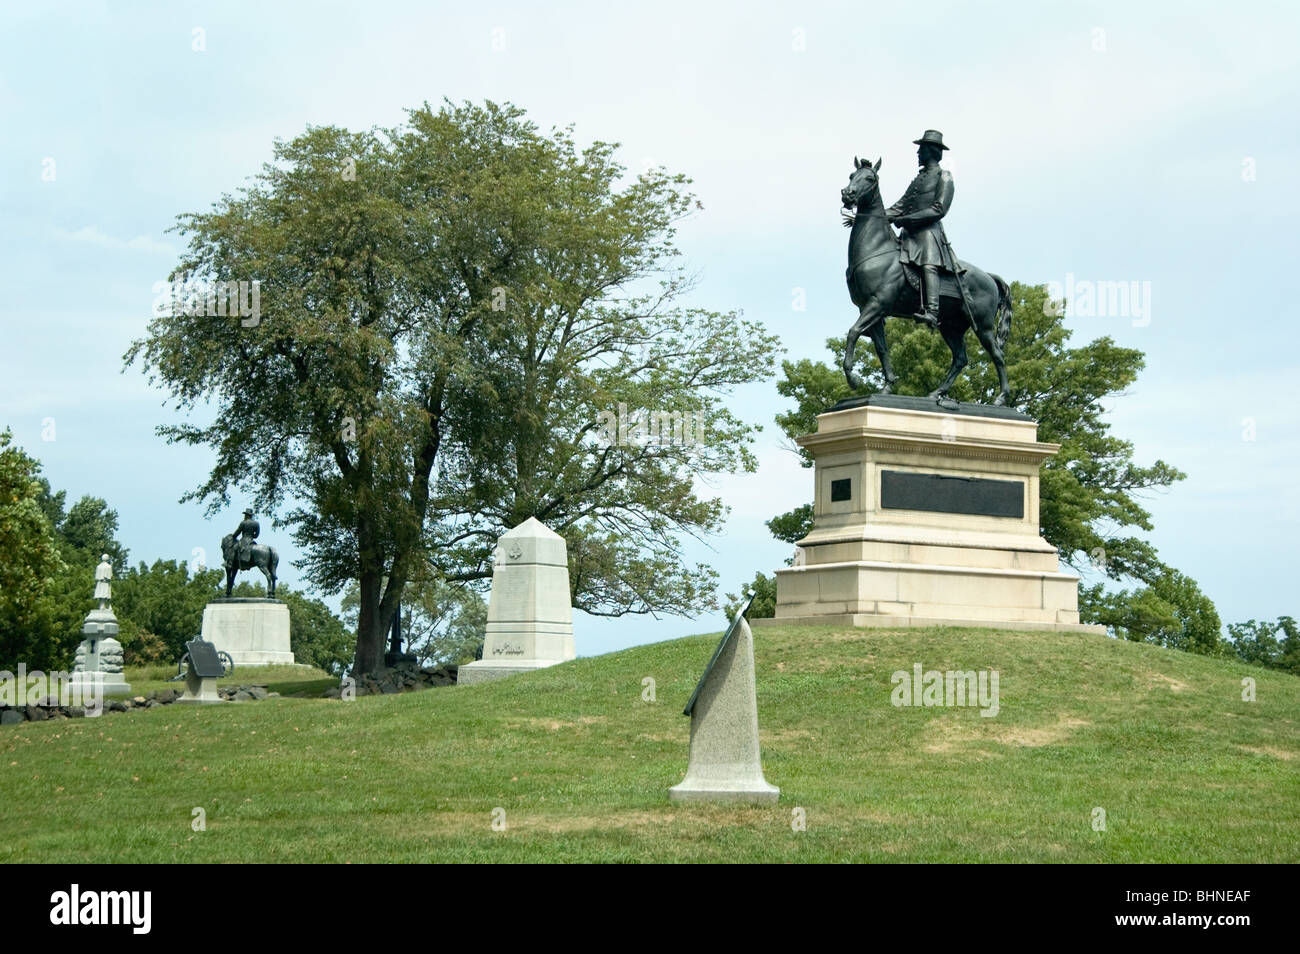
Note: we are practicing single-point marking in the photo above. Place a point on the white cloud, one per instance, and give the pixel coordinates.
(141, 243)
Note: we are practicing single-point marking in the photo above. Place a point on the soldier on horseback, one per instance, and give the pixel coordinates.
(919, 213)
(884, 269)
(246, 536)
(240, 551)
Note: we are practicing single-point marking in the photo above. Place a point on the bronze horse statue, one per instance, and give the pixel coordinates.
(263, 557)
(879, 288)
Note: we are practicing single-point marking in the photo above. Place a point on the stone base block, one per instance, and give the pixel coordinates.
(111, 683)
(881, 621)
(486, 670)
(255, 632)
(900, 594)
(200, 691)
(757, 793)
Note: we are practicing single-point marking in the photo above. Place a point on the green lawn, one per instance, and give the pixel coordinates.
(1185, 770)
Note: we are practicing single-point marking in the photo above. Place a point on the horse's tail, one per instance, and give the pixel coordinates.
(1002, 331)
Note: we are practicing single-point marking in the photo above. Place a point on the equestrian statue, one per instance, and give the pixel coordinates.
(915, 274)
(240, 551)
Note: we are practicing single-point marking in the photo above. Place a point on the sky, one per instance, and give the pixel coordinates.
(1152, 143)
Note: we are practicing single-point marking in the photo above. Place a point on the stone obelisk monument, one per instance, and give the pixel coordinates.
(530, 613)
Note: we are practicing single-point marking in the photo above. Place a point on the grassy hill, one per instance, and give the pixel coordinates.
(1185, 770)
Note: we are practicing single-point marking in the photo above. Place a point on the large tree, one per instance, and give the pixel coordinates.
(1090, 492)
(30, 562)
(446, 309)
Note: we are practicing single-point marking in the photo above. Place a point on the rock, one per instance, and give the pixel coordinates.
(12, 717)
(334, 692)
(153, 694)
(152, 704)
(139, 700)
(168, 695)
(116, 705)
(242, 696)
(37, 714)
(273, 695)
(258, 692)
(75, 712)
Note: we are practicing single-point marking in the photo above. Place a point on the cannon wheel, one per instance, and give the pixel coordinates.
(227, 663)
(180, 666)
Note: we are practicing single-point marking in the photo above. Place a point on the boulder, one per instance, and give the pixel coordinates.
(12, 717)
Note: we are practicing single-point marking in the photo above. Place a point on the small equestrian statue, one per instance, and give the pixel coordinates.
(915, 274)
(240, 552)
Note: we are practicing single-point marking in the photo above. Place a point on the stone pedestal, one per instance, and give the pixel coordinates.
(530, 616)
(100, 683)
(98, 665)
(724, 764)
(254, 631)
(925, 516)
(199, 690)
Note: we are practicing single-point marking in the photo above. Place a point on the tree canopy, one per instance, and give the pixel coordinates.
(446, 309)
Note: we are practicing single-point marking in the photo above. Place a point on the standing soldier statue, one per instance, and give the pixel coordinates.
(104, 583)
(919, 213)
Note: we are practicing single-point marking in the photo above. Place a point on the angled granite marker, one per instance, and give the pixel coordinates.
(724, 762)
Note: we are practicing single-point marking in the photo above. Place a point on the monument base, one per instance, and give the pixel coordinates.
(485, 670)
(200, 691)
(254, 631)
(889, 621)
(926, 514)
(104, 683)
(758, 793)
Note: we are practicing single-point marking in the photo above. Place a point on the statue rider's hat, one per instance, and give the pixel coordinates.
(931, 137)
(248, 513)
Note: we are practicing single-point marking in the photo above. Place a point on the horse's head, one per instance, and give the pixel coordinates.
(862, 183)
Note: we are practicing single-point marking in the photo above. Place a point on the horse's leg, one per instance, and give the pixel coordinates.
(869, 318)
(882, 352)
(270, 580)
(988, 339)
(954, 333)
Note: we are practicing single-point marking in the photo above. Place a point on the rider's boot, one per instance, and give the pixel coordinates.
(930, 295)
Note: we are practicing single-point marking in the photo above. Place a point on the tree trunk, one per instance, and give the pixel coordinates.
(369, 656)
